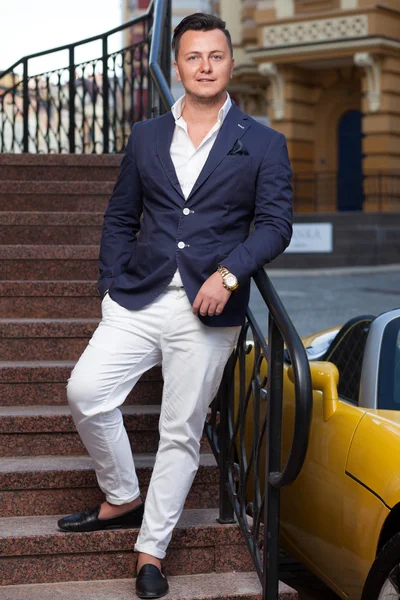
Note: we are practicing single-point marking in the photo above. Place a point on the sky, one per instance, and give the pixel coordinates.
(29, 26)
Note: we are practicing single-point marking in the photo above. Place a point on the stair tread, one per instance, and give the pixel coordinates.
(51, 218)
(50, 371)
(36, 464)
(36, 364)
(24, 320)
(49, 410)
(18, 186)
(21, 536)
(70, 160)
(46, 320)
(71, 288)
(50, 251)
(47, 328)
(37, 421)
(38, 526)
(223, 586)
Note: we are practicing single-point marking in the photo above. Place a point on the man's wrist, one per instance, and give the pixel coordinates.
(229, 280)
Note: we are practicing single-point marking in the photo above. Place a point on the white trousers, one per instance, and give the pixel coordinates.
(124, 346)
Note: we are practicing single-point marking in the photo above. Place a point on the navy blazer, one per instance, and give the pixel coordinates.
(232, 190)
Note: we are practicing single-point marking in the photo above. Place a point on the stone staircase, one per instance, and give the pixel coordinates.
(51, 212)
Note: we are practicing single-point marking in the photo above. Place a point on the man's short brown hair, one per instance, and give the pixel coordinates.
(199, 22)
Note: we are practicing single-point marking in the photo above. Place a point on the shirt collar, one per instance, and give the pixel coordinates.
(177, 108)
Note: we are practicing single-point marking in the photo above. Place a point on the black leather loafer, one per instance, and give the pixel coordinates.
(88, 520)
(150, 583)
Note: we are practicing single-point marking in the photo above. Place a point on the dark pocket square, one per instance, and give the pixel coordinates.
(238, 149)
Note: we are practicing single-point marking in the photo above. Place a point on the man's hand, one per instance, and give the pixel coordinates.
(211, 297)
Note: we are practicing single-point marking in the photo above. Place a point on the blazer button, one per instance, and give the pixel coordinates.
(181, 245)
(186, 211)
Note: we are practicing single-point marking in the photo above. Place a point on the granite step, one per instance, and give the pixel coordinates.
(208, 586)
(33, 550)
(46, 485)
(44, 383)
(38, 262)
(59, 167)
(49, 299)
(56, 196)
(64, 201)
(50, 228)
(50, 430)
(44, 339)
(55, 187)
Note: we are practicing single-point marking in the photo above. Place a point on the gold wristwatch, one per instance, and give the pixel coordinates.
(229, 280)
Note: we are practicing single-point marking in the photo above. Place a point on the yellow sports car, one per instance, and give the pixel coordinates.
(341, 517)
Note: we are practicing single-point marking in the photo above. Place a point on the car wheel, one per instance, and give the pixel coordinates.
(383, 581)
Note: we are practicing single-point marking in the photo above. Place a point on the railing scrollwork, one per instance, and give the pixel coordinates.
(84, 107)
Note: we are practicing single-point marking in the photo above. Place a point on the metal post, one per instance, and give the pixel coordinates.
(26, 106)
(106, 108)
(273, 459)
(71, 86)
(166, 65)
(226, 513)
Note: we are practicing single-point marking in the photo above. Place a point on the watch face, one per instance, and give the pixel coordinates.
(231, 280)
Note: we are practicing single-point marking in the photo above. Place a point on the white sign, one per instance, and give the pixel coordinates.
(311, 237)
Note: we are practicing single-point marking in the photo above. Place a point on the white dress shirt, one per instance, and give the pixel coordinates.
(188, 160)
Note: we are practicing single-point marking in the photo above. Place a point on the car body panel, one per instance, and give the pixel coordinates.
(374, 455)
(351, 565)
(333, 514)
(314, 507)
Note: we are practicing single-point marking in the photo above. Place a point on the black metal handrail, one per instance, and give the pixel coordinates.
(302, 383)
(89, 106)
(162, 97)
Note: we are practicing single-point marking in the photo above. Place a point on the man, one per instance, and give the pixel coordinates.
(177, 293)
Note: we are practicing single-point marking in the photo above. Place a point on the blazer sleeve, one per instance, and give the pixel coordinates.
(273, 214)
(121, 219)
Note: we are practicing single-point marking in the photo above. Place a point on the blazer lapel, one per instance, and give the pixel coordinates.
(234, 126)
(165, 132)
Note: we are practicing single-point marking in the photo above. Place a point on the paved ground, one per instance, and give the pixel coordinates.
(317, 300)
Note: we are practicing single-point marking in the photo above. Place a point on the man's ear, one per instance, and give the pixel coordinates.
(177, 71)
(233, 66)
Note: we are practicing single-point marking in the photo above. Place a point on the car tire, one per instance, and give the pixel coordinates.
(385, 571)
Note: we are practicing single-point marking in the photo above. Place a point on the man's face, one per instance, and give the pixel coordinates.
(204, 64)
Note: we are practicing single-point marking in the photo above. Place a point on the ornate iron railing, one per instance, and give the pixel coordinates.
(328, 191)
(250, 408)
(245, 432)
(83, 106)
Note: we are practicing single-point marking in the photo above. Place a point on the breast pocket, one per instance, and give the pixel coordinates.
(237, 170)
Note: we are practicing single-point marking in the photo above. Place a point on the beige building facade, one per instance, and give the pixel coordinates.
(326, 73)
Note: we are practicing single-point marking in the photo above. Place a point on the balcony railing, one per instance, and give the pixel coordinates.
(325, 191)
(85, 106)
